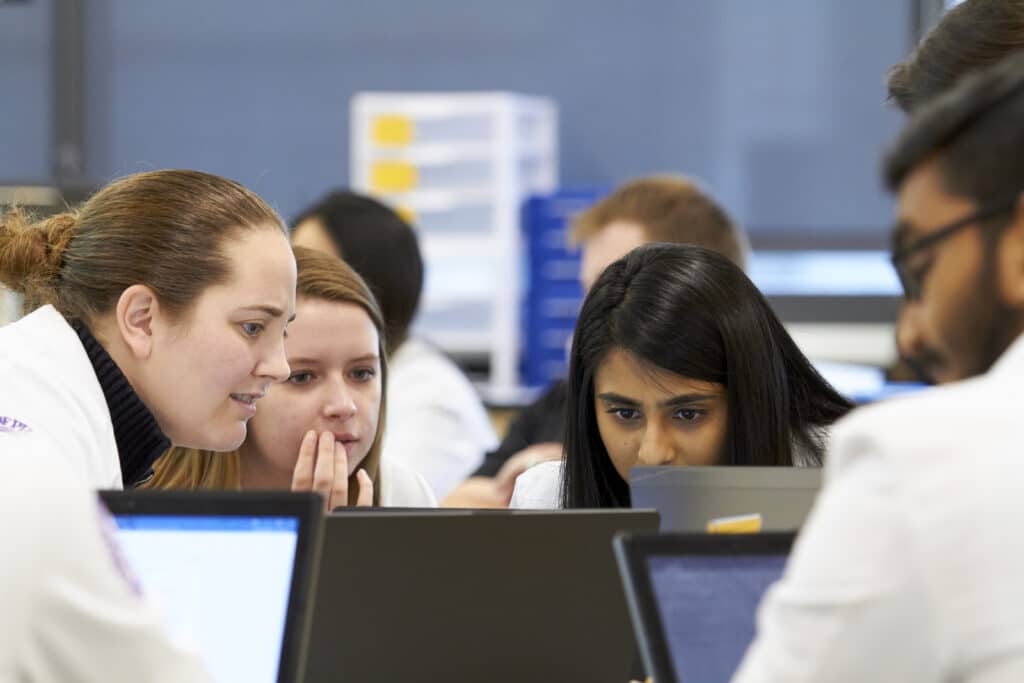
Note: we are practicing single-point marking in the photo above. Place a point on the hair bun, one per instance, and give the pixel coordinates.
(31, 254)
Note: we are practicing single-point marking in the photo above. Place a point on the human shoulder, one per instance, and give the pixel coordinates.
(538, 487)
(929, 425)
(419, 360)
(52, 394)
(402, 486)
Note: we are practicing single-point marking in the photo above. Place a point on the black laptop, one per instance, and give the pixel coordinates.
(232, 573)
(693, 598)
(694, 499)
(497, 596)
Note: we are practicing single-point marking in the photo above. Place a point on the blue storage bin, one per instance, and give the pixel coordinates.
(553, 294)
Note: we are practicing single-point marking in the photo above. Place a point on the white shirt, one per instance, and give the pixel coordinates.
(538, 488)
(436, 423)
(70, 610)
(911, 564)
(49, 394)
(401, 487)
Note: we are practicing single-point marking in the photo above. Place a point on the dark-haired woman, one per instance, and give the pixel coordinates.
(677, 359)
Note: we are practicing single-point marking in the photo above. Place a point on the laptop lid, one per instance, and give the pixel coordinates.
(231, 572)
(693, 598)
(461, 595)
(690, 499)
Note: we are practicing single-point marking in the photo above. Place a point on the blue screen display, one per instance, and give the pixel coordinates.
(708, 607)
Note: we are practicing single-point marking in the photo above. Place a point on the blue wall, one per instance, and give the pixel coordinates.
(25, 117)
(778, 106)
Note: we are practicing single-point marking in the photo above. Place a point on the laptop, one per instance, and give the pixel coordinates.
(693, 598)
(694, 499)
(232, 573)
(458, 595)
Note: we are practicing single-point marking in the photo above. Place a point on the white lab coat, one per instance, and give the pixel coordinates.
(71, 610)
(436, 423)
(51, 399)
(910, 565)
(402, 487)
(538, 488)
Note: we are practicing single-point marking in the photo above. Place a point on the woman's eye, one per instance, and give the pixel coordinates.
(252, 329)
(625, 414)
(364, 374)
(689, 415)
(300, 378)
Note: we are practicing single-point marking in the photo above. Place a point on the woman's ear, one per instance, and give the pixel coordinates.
(135, 313)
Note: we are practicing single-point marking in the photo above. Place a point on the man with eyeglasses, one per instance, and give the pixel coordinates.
(911, 565)
(973, 35)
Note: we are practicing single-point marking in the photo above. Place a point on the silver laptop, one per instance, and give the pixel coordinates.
(698, 499)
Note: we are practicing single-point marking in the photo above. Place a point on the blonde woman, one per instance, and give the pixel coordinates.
(322, 428)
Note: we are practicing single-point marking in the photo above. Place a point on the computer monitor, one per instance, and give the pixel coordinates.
(503, 596)
(230, 571)
(692, 499)
(693, 598)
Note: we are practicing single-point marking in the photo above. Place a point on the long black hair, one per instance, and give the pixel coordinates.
(381, 247)
(692, 312)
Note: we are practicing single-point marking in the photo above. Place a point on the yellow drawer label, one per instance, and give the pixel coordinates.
(391, 130)
(741, 524)
(393, 176)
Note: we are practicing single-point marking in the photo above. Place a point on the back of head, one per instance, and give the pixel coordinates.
(690, 311)
(670, 209)
(971, 36)
(381, 247)
(162, 229)
(975, 129)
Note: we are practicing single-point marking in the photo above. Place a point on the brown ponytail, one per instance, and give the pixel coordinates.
(162, 229)
(31, 254)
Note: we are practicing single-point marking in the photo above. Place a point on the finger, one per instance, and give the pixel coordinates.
(302, 475)
(365, 498)
(339, 489)
(323, 471)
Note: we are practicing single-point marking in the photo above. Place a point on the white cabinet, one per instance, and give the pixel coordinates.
(458, 166)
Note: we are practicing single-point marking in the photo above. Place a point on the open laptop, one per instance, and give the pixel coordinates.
(692, 499)
(232, 573)
(449, 595)
(693, 598)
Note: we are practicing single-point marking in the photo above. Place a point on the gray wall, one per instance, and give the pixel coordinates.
(778, 106)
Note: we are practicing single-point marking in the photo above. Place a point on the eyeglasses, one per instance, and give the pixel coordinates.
(913, 280)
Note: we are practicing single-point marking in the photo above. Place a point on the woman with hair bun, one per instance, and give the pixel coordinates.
(158, 317)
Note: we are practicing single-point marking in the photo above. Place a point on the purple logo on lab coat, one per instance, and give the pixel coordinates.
(10, 425)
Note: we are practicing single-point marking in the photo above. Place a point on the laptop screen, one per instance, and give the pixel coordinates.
(707, 605)
(222, 582)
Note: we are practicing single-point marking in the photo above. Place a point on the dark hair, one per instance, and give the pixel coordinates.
(975, 130)
(162, 229)
(692, 312)
(669, 209)
(381, 247)
(971, 36)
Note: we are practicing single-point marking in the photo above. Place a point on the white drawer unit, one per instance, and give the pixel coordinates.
(458, 167)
